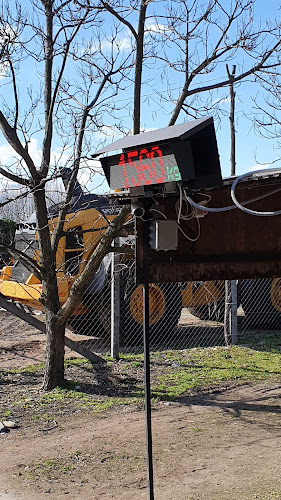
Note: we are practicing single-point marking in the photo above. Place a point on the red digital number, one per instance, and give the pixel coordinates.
(145, 168)
(146, 173)
(123, 163)
(150, 166)
(154, 150)
(135, 164)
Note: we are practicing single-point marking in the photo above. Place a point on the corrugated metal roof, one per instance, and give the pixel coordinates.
(181, 131)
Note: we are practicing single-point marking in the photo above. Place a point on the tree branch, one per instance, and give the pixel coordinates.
(11, 136)
(120, 18)
(15, 94)
(11, 200)
(56, 235)
(93, 264)
(52, 100)
(187, 93)
(138, 67)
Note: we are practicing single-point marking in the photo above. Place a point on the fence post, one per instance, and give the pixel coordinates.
(227, 314)
(234, 334)
(230, 316)
(115, 303)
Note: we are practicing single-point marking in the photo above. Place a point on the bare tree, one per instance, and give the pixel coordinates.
(182, 47)
(49, 36)
(197, 38)
(122, 10)
(266, 115)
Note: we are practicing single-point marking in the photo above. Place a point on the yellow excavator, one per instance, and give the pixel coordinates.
(85, 223)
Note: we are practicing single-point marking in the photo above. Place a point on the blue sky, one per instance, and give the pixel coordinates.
(250, 147)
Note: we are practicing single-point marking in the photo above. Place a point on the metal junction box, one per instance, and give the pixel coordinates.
(163, 235)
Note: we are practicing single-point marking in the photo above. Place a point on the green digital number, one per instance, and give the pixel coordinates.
(173, 173)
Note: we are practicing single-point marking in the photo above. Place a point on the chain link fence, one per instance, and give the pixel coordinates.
(181, 315)
(259, 310)
(116, 320)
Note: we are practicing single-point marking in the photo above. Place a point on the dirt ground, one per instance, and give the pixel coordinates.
(223, 445)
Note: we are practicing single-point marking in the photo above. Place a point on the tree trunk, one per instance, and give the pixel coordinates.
(54, 356)
(55, 332)
(55, 326)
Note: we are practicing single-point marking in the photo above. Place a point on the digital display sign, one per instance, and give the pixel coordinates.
(155, 164)
(185, 153)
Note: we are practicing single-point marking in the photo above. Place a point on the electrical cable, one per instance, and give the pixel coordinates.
(180, 216)
(159, 212)
(186, 216)
(209, 209)
(236, 203)
(178, 208)
(188, 237)
(180, 205)
(240, 205)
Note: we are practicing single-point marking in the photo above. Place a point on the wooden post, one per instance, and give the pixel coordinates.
(231, 77)
(115, 304)
(233, 327)
(230, 319)
(227, 313)
(230, 316)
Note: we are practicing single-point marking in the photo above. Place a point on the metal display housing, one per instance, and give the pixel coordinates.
(190, 148)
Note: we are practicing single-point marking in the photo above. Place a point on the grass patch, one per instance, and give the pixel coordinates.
(55, 466)
(201, 368)
(61, 398)
(173, 375)
(271, 343)
(25, 369)
(6, 414)
(103, 461)
(76, 362)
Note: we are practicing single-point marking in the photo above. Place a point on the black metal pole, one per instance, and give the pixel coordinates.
(147, 389)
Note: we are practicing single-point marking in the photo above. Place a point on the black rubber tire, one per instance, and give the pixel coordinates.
(92, 323)
(89, 325)
(95, 323)
(209, 312)
(131, 332)
(257, 305)
(160, 330)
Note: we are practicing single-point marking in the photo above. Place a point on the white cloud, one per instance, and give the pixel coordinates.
(7, 154)
(3, 70)
(156, 28)
(106, 135)
(34, 151)
(121, 44)
(91, 177)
